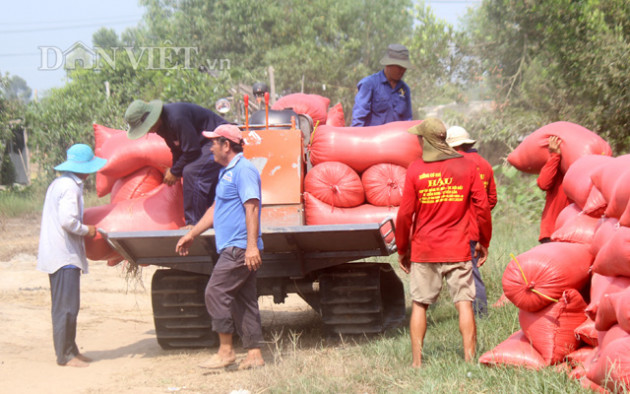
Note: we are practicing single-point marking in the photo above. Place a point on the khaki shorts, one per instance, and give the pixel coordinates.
(426, 281)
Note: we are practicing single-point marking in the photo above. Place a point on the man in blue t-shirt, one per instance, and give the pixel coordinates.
(180, 125)
(384, 97)
(231, 295)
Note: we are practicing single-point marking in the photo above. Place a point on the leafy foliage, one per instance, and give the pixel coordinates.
(199, 51)
(14, 95)
(520, 197)
(311, 51)
(437, 59)
(566, 60)
(540, 61)
(7, 171)
(101, 93)
(15, 88)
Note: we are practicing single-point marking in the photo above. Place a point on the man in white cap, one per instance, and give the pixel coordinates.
(384, 97)
(458, 138)
(231, 294)
(62, 251)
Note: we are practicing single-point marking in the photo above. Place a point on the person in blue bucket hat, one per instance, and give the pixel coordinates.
(62, 251)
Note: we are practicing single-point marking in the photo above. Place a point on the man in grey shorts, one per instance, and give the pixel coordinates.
(432, 231)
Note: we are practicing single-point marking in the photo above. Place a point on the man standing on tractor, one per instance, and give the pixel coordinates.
(231, 293)
(384, 97)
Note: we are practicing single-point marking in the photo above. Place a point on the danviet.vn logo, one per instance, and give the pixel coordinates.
(166, 57)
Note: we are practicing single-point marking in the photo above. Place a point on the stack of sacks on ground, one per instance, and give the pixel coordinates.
(573, 293)
(358, 173)
(133, 178)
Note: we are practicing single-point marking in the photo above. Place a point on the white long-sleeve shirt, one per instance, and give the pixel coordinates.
(62, 228)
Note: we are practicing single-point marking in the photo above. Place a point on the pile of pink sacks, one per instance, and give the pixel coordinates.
(358, 173)
(573, 294)
(133, 179)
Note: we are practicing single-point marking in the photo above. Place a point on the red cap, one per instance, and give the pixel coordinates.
(228, 131)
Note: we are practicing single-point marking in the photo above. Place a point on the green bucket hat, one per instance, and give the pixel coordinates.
(141, 116)
(434, 146)
(396, 55)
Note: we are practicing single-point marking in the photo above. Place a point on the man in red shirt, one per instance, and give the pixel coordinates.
(550, 180)
(432, 232)
(458, 138)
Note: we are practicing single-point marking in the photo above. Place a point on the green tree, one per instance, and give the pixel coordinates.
(106, 38)
(567, 60)
(65, 116)
(14, 95)
(322, 47)
(437, 59)
(16, 88)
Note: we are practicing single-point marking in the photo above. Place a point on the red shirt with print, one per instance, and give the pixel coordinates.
(486, 173)
(433, 215)
(550, 180)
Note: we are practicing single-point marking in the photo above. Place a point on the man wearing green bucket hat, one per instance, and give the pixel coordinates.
(432, 233)
(180, 125)
(62, 251)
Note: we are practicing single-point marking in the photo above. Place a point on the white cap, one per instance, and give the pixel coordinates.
(456, 136)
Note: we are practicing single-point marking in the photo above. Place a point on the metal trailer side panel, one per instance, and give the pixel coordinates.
(291, 251)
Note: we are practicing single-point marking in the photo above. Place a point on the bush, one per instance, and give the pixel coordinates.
(518, 194)
(7, 171)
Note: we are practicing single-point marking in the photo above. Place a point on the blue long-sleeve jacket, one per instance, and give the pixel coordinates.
(376, 103)
(182, 127)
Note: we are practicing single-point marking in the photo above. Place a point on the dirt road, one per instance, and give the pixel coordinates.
(115, 329)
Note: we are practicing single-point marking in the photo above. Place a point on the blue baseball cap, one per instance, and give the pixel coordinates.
(81, 160)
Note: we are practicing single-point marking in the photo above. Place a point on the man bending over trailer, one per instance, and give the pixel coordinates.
(231, 295)
(180, 125)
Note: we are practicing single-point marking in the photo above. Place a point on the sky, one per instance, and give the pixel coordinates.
(33, 32)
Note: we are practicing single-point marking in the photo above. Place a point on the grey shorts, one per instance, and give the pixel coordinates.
(426, 281)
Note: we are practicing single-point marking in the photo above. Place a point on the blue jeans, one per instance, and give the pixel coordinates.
(480, 305)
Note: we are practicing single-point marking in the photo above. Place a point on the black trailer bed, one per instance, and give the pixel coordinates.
(293, 251)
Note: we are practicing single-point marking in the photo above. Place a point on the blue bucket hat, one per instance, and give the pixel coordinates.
(81, 160)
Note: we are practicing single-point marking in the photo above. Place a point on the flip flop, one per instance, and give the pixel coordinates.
(215, 362)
